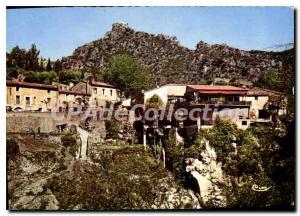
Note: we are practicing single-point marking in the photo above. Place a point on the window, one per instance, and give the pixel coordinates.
(27, 100)
(230, 99)
(95, 90)
(110, 92)
(263, 114)
(33, 102)
(244, 122)
(17, 88)
(18, 99)
(49, 91)
(256, 97)
(103, 91)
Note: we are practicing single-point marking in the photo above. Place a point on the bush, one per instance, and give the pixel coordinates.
(112, 128)
(12, 148)
(69, 142)
(154, 102)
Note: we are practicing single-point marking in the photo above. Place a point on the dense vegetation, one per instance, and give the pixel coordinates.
(264, 156)
(121, 180)
(29, 66)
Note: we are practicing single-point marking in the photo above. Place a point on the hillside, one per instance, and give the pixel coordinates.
(170, 62)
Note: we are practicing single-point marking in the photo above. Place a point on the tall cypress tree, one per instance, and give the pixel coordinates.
(48, 67)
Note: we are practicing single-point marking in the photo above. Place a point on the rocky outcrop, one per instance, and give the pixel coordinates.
(170, 62)
(209, 175)
(30, 170)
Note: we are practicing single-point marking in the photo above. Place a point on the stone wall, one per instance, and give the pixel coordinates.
(29, 122)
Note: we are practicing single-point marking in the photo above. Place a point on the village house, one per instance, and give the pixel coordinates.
(72, 97)
(228, 102)
(240, 105)
(169, 93)
(23, 96)
(99, 92)
(263, 101)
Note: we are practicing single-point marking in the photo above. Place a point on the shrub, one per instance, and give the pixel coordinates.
(112, 128)
(154, 102)
(69, 142)
(12, 148)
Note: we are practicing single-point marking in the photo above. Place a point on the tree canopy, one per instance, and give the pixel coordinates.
(154, 102)
(127, 73)
(46, 77)
(66, 77)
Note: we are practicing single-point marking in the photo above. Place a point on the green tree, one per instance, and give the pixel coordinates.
(66, 77)
(57, 66)
(17, 57)
(48, 67)
(32, 58)
(128, 74)
(154, 102)
(46, 77)
(269, 79)
(41, 64)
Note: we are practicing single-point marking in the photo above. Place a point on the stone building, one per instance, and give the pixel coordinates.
(100, 92)
(263, 101)
(24, 96)
(72, 97)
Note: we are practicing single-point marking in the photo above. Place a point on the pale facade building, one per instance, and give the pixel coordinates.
(72, 97)
(99, 92)
(168, 93)
(24, 96)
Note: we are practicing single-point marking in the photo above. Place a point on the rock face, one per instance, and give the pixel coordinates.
(170, 62)
(29, 172)
(208, 173)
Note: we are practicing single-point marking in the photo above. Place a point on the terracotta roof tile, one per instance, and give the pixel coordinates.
(217, 88)
(30, 85)
(263, 92)
(102, 84)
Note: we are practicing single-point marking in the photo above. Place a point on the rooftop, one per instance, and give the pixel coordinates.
(94, 83)
(30, 85)
(263, 92)
(218, 89)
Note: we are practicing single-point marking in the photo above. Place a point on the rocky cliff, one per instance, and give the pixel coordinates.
(170, 62)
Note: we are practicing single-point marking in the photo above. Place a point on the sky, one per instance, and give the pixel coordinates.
(57, 32)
